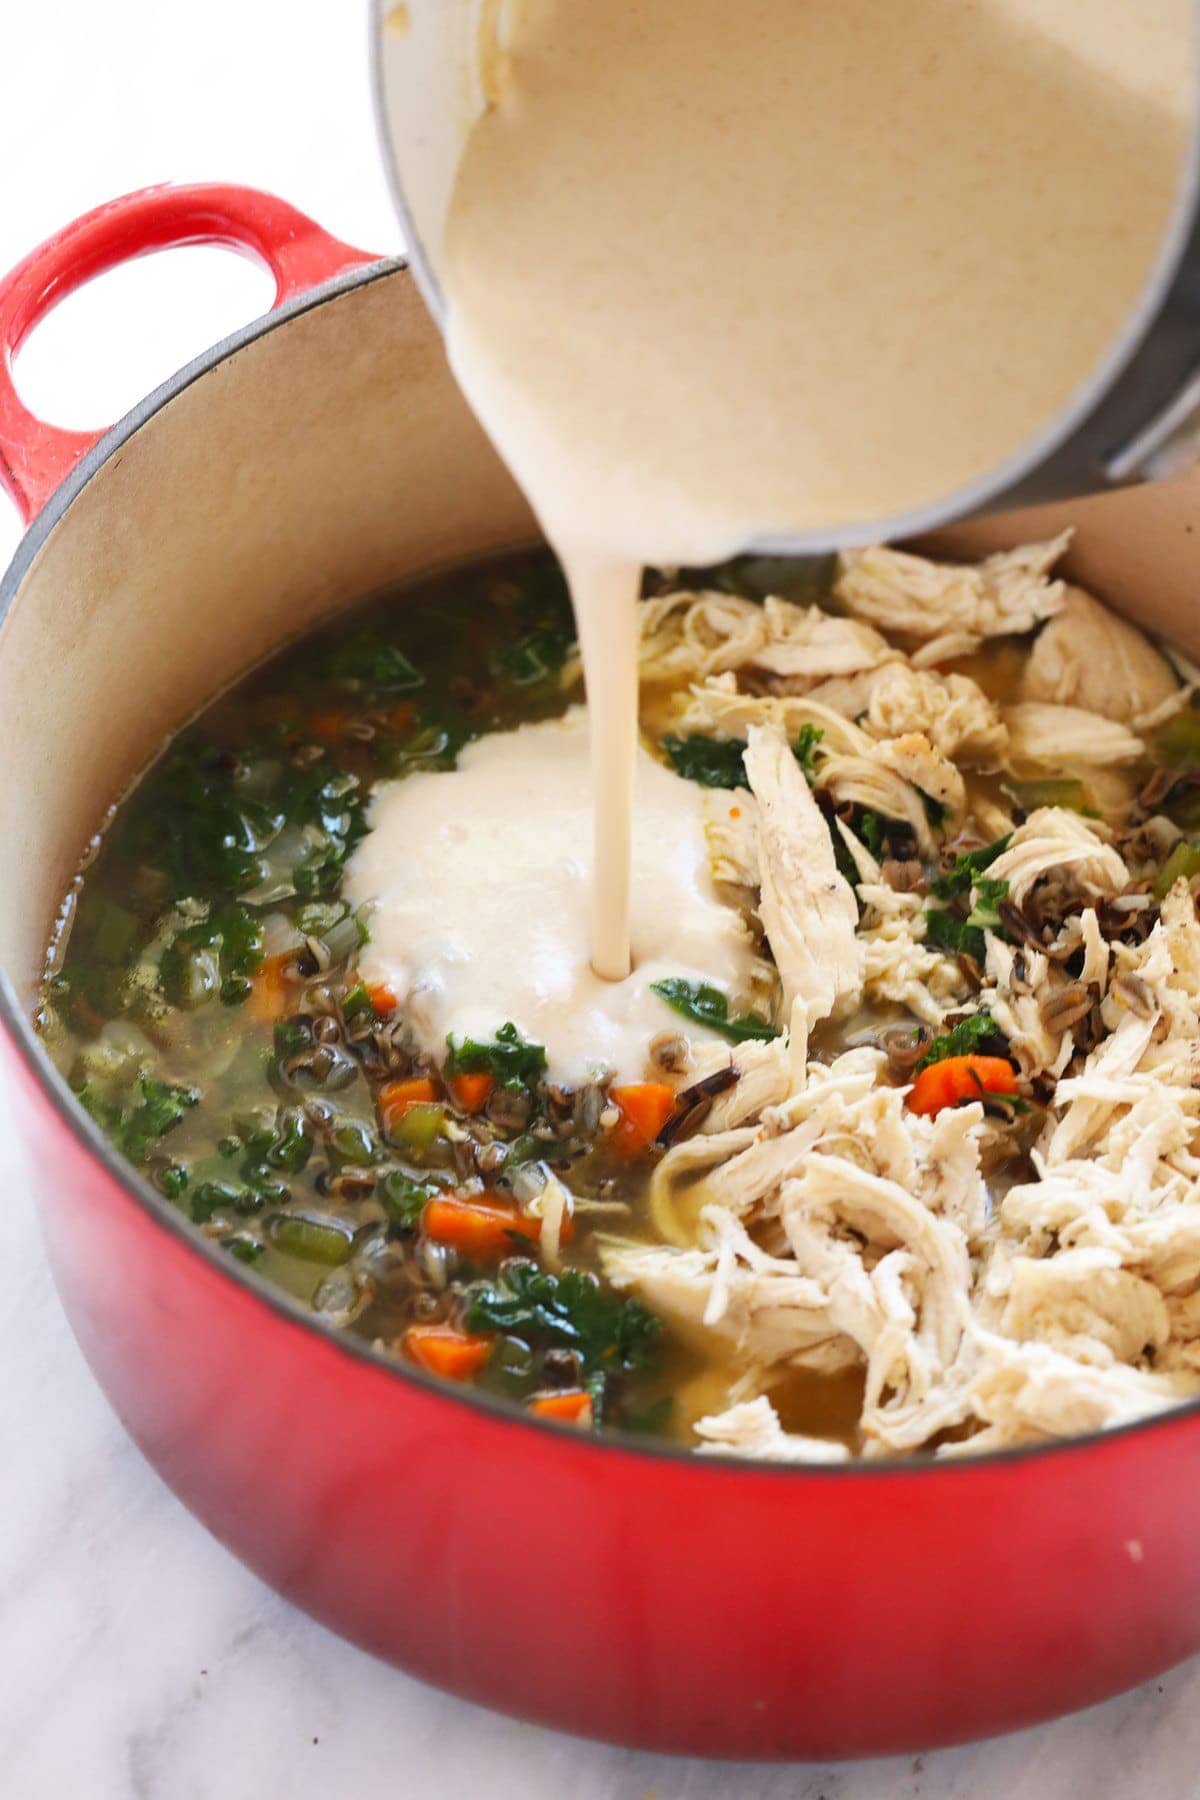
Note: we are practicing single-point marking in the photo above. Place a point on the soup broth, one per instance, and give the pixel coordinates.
(615, 1253)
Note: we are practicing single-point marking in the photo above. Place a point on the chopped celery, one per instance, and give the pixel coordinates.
(114, 932)
(421, 1126)
(1178, 743)
(1052, 791)
(1184, 860)
(310, 1240)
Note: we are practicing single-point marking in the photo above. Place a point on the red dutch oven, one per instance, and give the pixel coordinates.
(630, 1593)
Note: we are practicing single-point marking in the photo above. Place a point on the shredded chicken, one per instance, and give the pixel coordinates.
(896, 591)
(1066, 737)
(752, 1428)
(1089, 657)
(813, 1220)
(807, 908)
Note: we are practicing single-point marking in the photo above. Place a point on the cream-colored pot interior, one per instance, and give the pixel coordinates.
(324, 458)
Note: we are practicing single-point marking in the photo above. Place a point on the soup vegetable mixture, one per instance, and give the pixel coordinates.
(891, 1142)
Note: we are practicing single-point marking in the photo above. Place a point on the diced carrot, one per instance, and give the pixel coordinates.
(330, 726)
(735, 812)
(570, 1407)
(471, 1092)
(269, 989)
(458, 1355)
(399, 1097)
(484, 1229)
(382, 999)
(645, 1108)
(960, 1078)
(402, 717)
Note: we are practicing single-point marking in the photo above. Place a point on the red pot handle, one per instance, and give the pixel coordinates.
(34, 456)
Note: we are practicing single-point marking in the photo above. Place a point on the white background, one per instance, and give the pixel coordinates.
(137, 1660)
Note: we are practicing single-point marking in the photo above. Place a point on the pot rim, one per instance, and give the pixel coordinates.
(19, 1029)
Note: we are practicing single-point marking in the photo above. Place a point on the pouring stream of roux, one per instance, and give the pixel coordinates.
(720, 272)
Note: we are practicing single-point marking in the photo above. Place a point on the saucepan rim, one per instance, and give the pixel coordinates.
(1079, 428)
(71, 1115)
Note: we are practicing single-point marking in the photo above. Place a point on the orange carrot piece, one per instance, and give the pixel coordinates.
(645, 1108)
(960, 1078)
(402, 717)
(471, 1092)
(482, 1228)
(269, 990)
(399, 1097)
(329, 726)
(570, 1407)
(457, 1355)
(382, 999)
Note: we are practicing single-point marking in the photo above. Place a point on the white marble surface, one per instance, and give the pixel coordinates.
(138, 1661)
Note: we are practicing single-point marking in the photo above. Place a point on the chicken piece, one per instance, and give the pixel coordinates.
(948, 647)
(687, 635)
(808, 909)
(764, 1078)
(893, 779)
(887, 1216)
(752, 1428)
(807, 645)
(897, 966)
(1053, 839)
(915, 759)
(1066, 737)
(899, 592)
(1028, 1393)
(1015, 1004)
(684, 635)
(731, 831)
(1083, 1303)
(759, 1304)
(717, 707)
(951, 711)
(1090, 657)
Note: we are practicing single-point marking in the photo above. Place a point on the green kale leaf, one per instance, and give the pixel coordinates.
(706, 1005)
(611, 1336)
(509, 1060)
(967, 869)
(978, 1035)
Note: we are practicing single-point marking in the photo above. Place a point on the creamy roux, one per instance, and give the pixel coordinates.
(479, 878)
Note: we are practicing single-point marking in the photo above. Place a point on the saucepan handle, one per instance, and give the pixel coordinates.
(35, 456)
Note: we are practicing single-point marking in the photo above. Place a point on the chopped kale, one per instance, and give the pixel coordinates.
(717, 762)
(967, 869)
(213, 956)
(133, 1128)
(805, 748)
(259, 825)
(537, 657)
(978, 1035)
(805, 580)
(611, 1336)
(403, 1199)
(872, 829)
(713, 762)
(367, 660)
(509, 1060)
(988, 895)
(946, 931)
(246, 1249)
(709, 1006)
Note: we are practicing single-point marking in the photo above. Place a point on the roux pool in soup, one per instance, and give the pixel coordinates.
(911, 1167)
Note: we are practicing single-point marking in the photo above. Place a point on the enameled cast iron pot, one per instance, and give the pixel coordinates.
(631, 1593)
